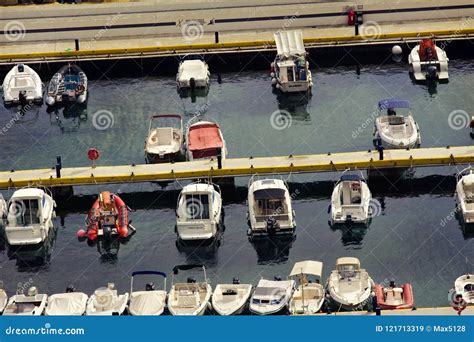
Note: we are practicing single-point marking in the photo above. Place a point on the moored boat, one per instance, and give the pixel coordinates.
(30, 216)
(69, 303)
(204, 140)
(22, 85)
(193, 73)
(309, 295)
(31, 304)
(69, 85)
(107, 302)
(465, 195)
(190, 298)
(394, 297)
(428, 61)
(199, 211)
(464, 285)
(231, 299)
(150, 302)
(164, 142)
(272, 296)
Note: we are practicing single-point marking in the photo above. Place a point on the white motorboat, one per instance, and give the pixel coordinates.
(350, 286)
(428, 61)
(22, 85)
(31, 304)
(464, 285)
(67, 86)
(231, 299)
(350, 200)
(107, 302)
(3, 298)
(199, 211)
(150, 302)
(272, 296)
(290, 71)
(193, 73)
(394, 130)
(465, 194)
(30, 216)
(204, 140)
(164, 142)
(270, 208)
(191, 298)
(69, 303)
(309, 295)
(3, 209)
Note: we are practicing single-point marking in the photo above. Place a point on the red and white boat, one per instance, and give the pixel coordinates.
(108, 217)
(205, 141)
(394, 297)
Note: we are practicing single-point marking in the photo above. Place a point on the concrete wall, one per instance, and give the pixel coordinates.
(101, 21)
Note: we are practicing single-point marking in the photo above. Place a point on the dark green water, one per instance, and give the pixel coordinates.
(407, 241)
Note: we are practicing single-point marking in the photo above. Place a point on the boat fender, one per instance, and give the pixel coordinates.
(81, 234)
(274, 81)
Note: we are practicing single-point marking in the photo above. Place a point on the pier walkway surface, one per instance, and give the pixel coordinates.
(158, 28)
(439, 311)
(239, 167)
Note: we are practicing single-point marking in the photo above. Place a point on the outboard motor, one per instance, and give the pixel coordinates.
(70, 289)
(22, 97)
(349, 219)
(272, 225)
(236, 281)
(432, 72)
(21, 68)
(392, 283)
(150, 287)
(391, 111)
(192, 83)
(191, 280)
(277, 278)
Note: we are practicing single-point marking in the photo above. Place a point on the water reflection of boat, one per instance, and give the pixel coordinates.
(72, 116)
(351, 235)
(295, 104)
(272, 249)
(33, 256)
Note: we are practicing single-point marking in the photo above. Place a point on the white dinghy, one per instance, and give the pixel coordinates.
(309, 295)
(350, 200)
(394, 130)
(70, 303)
(193, 73)
(191, 298)
(428, 61)
(350, 286)
(21, 86)
(164, 142)
(30, 216)
(106, 302)
(465, 194)
(464, 285)
(150, 302)
(231, 299)
(31, 304)
(270, 208)
(199, 211)
(272, 296)
(290, 71)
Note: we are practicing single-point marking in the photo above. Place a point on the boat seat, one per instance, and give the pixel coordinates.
(188, 300)
(394, 296)
(161, 136)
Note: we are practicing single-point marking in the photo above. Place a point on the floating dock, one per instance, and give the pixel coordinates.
(235, 167)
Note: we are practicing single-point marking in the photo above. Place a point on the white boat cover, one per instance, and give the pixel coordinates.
(307, 267)
(150, 303)
(70, 304)
(193, 68)
(3, 300)
(348, 261)
(289, 43)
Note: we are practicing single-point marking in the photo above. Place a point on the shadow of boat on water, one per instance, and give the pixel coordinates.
(273, 249)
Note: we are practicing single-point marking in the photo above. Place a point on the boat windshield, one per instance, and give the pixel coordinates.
(25, 212)
(197, 207)
(347, 271)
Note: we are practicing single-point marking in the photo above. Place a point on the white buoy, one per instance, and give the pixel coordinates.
(397, 50)
(272, 75)
(274, 81)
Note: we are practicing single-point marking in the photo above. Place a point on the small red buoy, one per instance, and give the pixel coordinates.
(81, 234)
(93, 154)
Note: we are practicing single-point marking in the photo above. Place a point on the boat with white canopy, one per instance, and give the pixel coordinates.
(231, 299)
(350, 200)
(394, 130)
(69, 303)
(150, 302)
(428, 61)
(465, 194)
(107, 302)
(191, 298)
(309, 294)
(290, 71)
(270, 208)
(350, 286)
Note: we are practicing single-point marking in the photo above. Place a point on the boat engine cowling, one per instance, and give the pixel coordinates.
(432, 72)
(50, 100)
